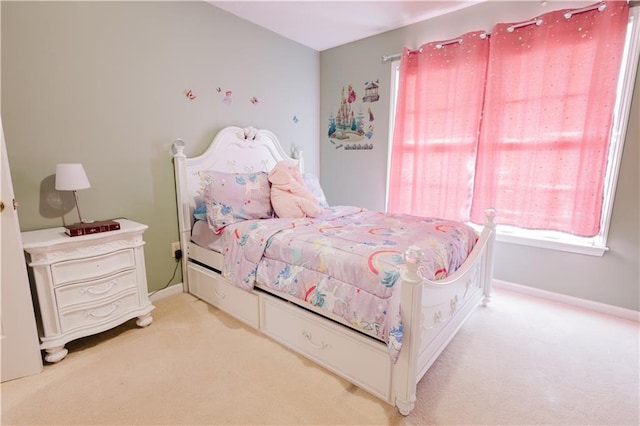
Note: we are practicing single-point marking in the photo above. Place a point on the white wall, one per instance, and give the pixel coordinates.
(358, 177)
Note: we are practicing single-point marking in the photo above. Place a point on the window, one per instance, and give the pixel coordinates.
(570, 139)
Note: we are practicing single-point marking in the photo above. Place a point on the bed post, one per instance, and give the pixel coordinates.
(184, 215)
(297, 154)
(405, 371)
(487, 267)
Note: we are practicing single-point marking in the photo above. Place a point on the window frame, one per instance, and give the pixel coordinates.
(597, 245)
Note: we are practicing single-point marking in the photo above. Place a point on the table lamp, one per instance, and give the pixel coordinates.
(71, 177)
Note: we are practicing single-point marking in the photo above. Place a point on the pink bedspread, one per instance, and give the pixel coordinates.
(346, 261)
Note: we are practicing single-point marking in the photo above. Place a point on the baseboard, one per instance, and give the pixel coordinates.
(166, 292)
(602, 308)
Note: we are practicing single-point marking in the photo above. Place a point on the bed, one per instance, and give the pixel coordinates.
(385, 349)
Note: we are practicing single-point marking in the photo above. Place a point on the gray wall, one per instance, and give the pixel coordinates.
(359, 177)
(103, 84)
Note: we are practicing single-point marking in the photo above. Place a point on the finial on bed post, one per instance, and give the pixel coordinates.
(490, 214)
(178, 148)
(297, 154)
(413, 257)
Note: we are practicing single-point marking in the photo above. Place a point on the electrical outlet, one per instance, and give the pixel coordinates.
(174, 247)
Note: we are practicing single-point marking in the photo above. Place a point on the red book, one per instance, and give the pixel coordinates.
(78, 229)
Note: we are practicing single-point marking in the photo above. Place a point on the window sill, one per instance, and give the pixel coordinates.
(512, 236)
(570, 247)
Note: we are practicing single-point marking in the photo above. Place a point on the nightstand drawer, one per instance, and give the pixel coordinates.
(106, 311)
(92, 267)
(74, 294)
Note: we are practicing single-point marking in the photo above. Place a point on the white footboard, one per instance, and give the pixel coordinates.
(433, 312)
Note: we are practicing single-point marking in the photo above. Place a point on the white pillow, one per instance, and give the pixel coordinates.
(313, 185)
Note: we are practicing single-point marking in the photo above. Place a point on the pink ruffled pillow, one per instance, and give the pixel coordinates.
(234, 197)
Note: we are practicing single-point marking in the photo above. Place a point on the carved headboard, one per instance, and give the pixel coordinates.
(233, 150)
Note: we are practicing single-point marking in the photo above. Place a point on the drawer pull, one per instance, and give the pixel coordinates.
(219, 294)
(321, 345)
(454, 304)
(97, 292)
(97, 314)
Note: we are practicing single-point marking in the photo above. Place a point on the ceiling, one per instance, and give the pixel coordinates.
(322, 25)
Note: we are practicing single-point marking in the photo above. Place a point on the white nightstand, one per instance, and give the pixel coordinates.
(87, 284)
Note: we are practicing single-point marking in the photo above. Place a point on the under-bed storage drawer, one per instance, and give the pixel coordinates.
(332, 346)
(212, 288)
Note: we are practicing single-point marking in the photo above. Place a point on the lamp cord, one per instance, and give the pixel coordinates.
(170, 279)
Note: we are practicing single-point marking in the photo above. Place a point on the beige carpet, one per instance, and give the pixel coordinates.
(519, 361)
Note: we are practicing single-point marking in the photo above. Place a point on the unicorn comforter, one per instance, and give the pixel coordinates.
(346, 261)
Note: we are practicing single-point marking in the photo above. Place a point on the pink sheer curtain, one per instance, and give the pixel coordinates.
(436, 127)
(547, 118)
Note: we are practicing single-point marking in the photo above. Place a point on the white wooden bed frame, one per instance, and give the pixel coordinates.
(432, 311)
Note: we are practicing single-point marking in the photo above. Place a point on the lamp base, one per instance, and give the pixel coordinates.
(78, 229)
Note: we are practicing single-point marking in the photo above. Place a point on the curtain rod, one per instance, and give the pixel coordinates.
(538, 21)
(387, 58)
(601, 7)
(445, 43)
(440, 45)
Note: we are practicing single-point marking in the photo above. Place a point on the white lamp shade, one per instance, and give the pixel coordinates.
(71, 177)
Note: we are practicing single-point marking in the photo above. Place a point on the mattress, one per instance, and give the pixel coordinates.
(203, 236)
